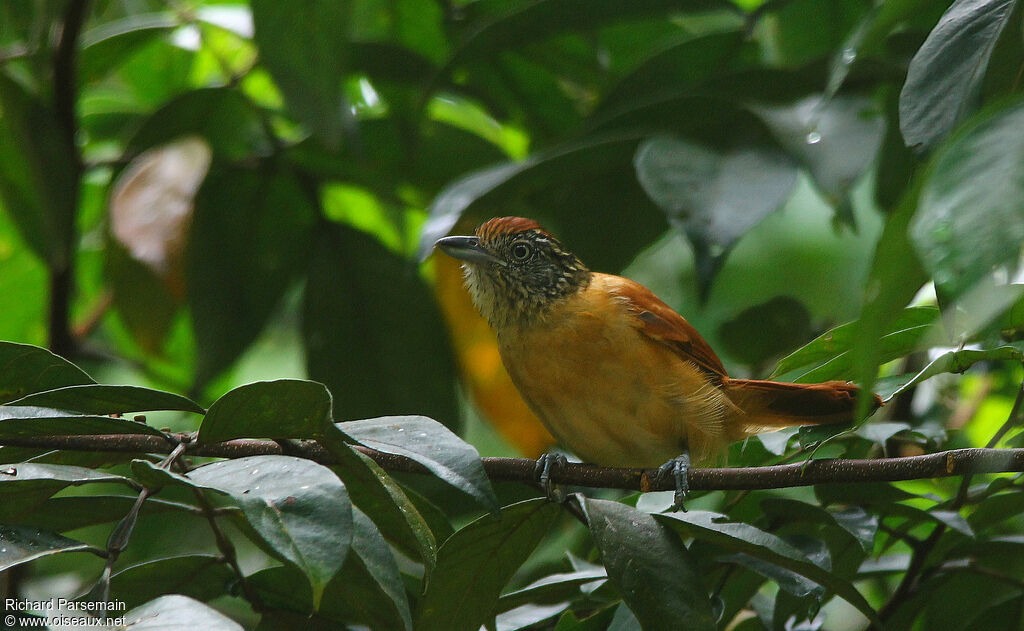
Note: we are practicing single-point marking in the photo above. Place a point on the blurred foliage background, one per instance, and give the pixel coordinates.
(198, 195)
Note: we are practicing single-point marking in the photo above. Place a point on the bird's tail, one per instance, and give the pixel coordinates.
(772, 405)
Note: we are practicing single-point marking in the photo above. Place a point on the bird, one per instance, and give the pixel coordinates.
(616, 375)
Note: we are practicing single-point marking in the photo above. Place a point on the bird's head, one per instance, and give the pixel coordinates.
(515, 270)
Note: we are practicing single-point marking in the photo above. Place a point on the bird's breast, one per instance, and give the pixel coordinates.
(608, 393)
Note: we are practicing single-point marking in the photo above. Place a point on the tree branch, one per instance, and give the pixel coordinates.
(955, 462)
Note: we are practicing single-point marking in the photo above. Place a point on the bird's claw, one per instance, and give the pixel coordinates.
(546, 464)
(679, 469)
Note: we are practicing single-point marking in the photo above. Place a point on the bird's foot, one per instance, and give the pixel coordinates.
(546, 464)
(679, 469)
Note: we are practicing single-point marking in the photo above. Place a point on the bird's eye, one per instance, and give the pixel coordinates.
(521, 251)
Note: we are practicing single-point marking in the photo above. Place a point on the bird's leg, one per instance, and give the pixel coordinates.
(679, 469)
(548, 462)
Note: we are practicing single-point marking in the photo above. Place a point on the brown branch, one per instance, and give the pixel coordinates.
(955, 462)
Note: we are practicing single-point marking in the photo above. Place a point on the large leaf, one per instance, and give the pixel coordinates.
(104, 399)
(199, 576)
(16, 420)
(835, 140)
(62, 514)
(25, 369)
(553, 588)
(960, 360)
(431, 444)
(971, 218)
(765, 546)
(372, 331)
(299, 508)
(37, 173)
(506, 181)
(304, 45)
(177, 613)
(107, 45)
(650, 567)
(286, 408)
(474, 564)
(232, 291)
(21, 544)
(713, 196)
(944, 76)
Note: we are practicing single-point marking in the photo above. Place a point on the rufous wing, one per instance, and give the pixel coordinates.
(661, 323)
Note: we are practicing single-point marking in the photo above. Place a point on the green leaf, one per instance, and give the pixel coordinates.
(835, 140)
(858, 523)
(828, 356)
(23, 483)
(199, 576)
(32, 421)
(740, 537)
(178, 613)
(38, 178)
(232, 292)
(108, 45)
(221, 116)
(373, 332)
(380, 497)
(474, 564)
(952, 519)
(286, 408)
(61, 514)
(766, 330)
(786, 580)
(961, 360)
(650, 567)
(304, 45)
(508, 181)
(944, 76)
(868, 493)
(104, 399)
(970, 217)
(25, 369)
(21, 544)
(431, 444)
(714, 196)
(553, 588)
(299, 508)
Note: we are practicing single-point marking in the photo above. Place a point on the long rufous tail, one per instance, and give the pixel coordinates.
(772, 405)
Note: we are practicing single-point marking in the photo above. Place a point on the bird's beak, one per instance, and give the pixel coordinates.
(467, 249)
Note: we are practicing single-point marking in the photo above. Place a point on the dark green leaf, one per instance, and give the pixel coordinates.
(26, 481)
(854, 520)
(553, 588)
(835, 140)
(507, 181)
(945, 74)
(380, 497)
(916, 515)
(199, 576)
(21, 544)
(178, 613)
(232, 291)
(104, 399)
(373, 332)
(970, 218)
(713, 196)
(650, 567)
(527, 616)
(25, 369)
(286, 408)
(474, 564)
(765, 546)
(431, 444)
(221, 116)
(299, 508)
(32, 421)
(766, 330)
(61, 514)
(869, 493)
(37, 173)
(304, 45)
(785, 579)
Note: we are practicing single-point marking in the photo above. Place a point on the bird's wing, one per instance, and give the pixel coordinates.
(661, 323)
